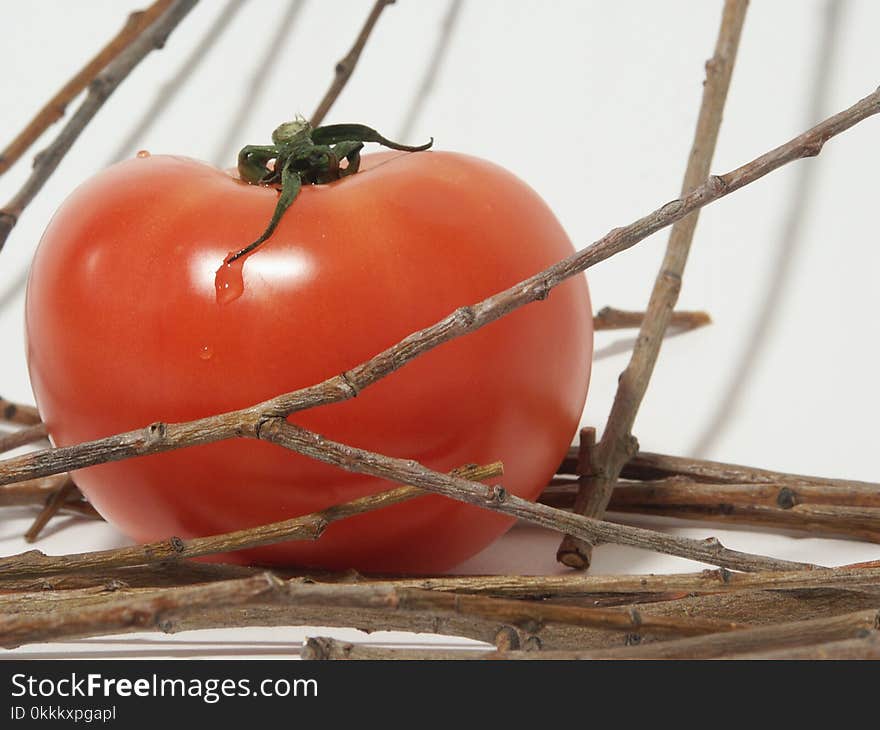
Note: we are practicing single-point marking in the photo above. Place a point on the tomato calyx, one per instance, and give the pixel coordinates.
(304, 155)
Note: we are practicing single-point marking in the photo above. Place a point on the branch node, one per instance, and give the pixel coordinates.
(671, 208)
(348, 385)
(507, 639)
(497, 494)
(156, 432)
(717, 185)
(786, 498)
(464, 317)
(113, 585)
(540, 290)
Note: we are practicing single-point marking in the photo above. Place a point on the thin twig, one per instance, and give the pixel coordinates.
(790, 242)
(100, 89)
(349, 458)
(53, 504)
(55, 108)
(22, 437)
(88, 613)
(18, 413)
(617, 443)
(765, 643)
(609, 318)
(762, 639)
(166, 93)
(346, 65)
(32, 492)
(160, 437)
(229, 142)
(307, 527)
(438, 56)
(821, 510)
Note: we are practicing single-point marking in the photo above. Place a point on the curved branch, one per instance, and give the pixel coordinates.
(100, 89)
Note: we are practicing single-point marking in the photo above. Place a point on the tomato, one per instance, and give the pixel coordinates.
(125, 328)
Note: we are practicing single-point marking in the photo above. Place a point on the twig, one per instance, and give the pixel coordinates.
(307, 527)
(438, 56)
(820, 510)
(858, 577)
(810, 639)
(867, 646)
(609, 318)
(349, 458)
(87, 613)
(55, 108)
(100, 89)
(18, 413)
(166, 93)
(762, 638)
(790, 243)
(648, 465)
(228, 145)
(53, 504)
(160, 437)
(617, 443)
(346, 65)
(22, 437)
(35, 491)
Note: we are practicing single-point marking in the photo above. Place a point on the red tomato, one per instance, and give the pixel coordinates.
(124, 328)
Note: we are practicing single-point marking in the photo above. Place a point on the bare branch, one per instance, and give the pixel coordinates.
(55, 108)
(22, 437)
(100, 89)
(176, 81)
(307, 527)
(18, 413)
(790, 243)
(617, 444)
(53, 504)
(609, 318)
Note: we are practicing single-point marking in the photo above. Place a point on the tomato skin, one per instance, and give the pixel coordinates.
(124, 328)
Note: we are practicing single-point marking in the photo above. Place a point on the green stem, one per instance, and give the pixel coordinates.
(302, 155)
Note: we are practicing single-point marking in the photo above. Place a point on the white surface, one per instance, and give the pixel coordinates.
(593, 103)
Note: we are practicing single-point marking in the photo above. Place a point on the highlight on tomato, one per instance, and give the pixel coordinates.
(167, 289)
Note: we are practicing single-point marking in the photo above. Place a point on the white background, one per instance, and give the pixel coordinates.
(594, 104)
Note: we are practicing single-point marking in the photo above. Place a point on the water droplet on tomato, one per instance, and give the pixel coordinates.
(206, 353)
(229, 281)
(143, 153)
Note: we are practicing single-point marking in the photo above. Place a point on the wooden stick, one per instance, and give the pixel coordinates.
(307, 527)
(22, 437)
(55, 108)
(617, 444)
(819, 510)
(609, 318)
(18, 413)
(100, 89)
(53, 504)
(76, 614)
